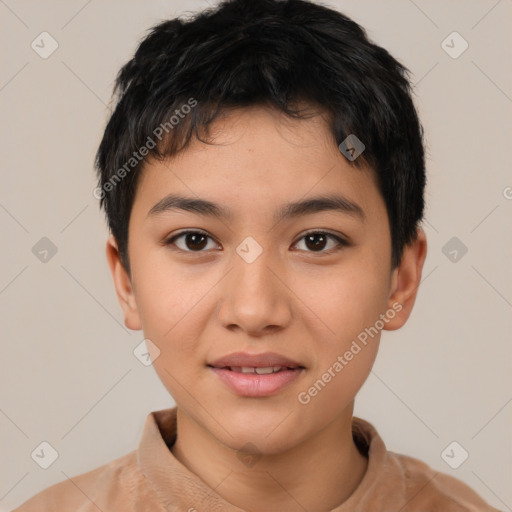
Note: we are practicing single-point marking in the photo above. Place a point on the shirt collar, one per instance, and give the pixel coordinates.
(177, 486)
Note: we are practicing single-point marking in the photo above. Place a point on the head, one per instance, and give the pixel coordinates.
(229, 125)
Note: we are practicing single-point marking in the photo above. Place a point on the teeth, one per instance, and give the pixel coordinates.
(263, 371)
(259, 371)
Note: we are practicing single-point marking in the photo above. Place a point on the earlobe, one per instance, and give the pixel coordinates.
(406, 280)
(123, 286)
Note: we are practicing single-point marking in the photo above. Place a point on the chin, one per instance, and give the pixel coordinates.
(271, 432)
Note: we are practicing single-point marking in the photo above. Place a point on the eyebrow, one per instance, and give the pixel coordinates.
(336, 203)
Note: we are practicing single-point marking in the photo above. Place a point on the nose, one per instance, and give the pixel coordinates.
(255, 298)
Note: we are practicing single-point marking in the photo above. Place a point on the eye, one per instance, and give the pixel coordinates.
(314, 241)
(190, 241)
(317, 241)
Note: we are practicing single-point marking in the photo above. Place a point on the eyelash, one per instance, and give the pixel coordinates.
(341, 242)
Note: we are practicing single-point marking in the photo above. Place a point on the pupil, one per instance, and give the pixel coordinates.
(317, 239)
(192, 241)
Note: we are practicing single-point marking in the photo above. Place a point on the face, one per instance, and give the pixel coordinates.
(254, 275)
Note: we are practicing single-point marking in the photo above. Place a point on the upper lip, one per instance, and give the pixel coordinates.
(263, 360)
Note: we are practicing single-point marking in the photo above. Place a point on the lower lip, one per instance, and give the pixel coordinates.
(254, 384)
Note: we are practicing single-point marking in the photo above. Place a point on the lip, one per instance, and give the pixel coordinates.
(253, 384)
(254, 360)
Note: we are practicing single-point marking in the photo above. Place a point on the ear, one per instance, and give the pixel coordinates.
(123, 286)
(405, 281)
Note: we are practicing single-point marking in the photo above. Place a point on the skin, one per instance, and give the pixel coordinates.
(307, 305)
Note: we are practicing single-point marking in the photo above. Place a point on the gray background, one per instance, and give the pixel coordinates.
(68, 374)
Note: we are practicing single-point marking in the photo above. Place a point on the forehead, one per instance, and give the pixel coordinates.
(258, 157)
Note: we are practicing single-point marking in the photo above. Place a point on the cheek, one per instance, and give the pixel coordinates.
(167, 297)
(347, 301)
(171, 304)
(350, 305)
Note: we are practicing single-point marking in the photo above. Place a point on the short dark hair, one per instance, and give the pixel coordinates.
(266, 52)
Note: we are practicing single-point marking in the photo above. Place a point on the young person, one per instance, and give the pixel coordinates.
(262, 176)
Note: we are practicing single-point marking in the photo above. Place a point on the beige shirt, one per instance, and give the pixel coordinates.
(151, 479)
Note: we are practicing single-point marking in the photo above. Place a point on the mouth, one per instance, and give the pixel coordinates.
(258, 375)
(265, 370)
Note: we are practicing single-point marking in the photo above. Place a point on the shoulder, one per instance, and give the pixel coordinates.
(428, 489)
(406, 483)
(112, 483)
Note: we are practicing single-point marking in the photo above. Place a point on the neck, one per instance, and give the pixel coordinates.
(319, 474)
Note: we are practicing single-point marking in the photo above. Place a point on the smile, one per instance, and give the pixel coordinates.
(259, 371)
